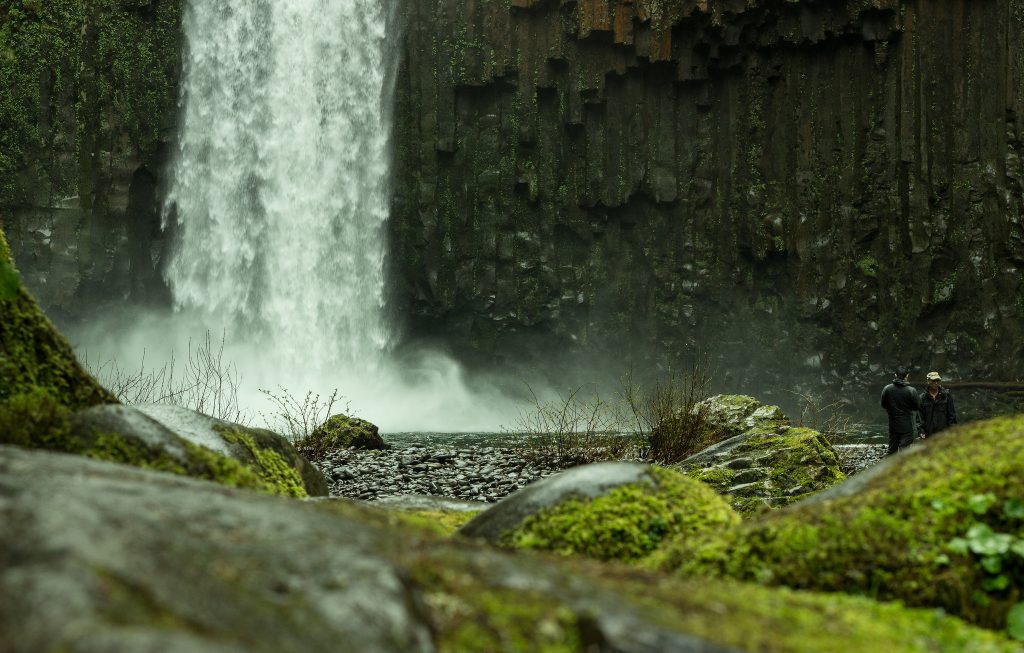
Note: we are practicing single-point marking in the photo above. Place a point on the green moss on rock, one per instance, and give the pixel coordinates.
(629, 522)
(937, 527)
(268, 464)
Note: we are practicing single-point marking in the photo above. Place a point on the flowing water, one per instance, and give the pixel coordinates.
(280, 182)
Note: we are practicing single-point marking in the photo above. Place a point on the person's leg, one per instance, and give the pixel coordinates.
(894, 443)
(906, 439)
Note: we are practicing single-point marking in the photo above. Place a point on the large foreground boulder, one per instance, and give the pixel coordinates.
(102, 558)
(608, 511)
(762, 461)
(941, 525)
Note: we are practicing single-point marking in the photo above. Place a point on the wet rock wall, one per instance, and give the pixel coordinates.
(88, 97)
(817, 188)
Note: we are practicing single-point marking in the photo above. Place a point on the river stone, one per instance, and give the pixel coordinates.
(586, 481)
(209, 432)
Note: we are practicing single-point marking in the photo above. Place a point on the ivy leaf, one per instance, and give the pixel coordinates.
(996, 584)
(980, 503)
(1015, 622)
(958, 545)
(1013, 509)
(941, 560)
(992, 564)
(986, 542)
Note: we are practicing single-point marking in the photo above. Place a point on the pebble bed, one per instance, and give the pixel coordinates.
(483, 473)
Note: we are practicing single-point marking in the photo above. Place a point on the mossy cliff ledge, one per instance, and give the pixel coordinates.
(206, 568)
(941, 525)
(88, 104)
(793, 186)
(762, 461)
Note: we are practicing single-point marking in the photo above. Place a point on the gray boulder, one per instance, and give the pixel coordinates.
(243, 443)
(585, 482)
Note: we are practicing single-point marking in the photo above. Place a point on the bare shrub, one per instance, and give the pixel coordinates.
(571, 430)
(297, 419)
(205, 383)
(670, 417)
(829, 419)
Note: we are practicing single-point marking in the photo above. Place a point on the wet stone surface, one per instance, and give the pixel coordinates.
(479, 473)
(476, 474)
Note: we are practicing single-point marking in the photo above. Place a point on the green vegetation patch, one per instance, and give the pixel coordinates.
(753, 618)
(439, 522)
(629, 522)
(939, 528)
(475, 604)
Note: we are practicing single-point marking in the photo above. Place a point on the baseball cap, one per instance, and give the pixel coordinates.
(933, 376)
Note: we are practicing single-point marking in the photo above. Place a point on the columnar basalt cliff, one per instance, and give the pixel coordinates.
(88, 96)
(815, 188)
(821, 186)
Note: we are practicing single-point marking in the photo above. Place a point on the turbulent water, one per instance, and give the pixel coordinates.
(280, 182)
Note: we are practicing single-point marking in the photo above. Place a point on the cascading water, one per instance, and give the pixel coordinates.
(279, 191)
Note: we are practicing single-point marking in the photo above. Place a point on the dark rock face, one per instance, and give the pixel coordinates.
(813, 188)
(88, 107)
(808, 190)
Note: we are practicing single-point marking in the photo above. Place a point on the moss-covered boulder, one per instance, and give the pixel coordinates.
(940, 526)
(341, 432)
(204, 568)
(34, 357)
(608, 511)
(266, 452)
(763, 462)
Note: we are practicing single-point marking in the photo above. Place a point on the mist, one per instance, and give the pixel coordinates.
(415, 390)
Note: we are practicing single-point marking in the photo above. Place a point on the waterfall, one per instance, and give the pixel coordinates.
(279, 188)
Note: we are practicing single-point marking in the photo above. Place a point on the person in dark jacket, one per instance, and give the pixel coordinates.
(902, 403)
(937, 409)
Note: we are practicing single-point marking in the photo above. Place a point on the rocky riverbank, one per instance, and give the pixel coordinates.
(485, 473)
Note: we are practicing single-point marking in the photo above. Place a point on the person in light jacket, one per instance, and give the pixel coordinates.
(937, 409)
